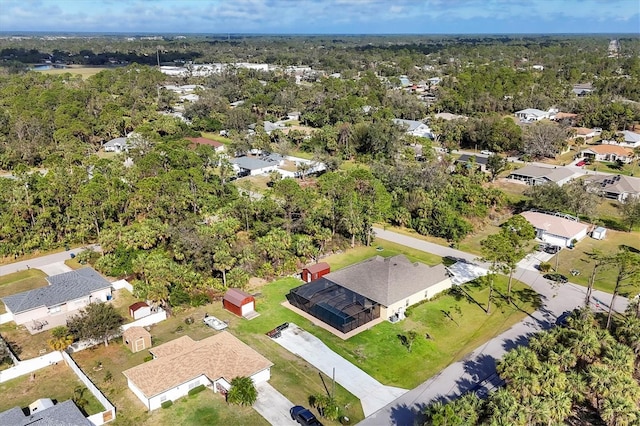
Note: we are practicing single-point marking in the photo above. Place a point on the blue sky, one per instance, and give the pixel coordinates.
(323, 16)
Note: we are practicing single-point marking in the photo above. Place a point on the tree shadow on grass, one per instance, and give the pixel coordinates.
(629, 248)
(460, 293)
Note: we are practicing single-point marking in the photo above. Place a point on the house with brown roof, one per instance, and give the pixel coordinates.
(374, 288)
(608, 153)
(183, 364)
(558, 230)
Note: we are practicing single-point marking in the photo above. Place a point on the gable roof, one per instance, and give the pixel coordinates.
(553, 174)
(465, 158)
(219, 356)
(532, 111)
(182, 343)
(555, 225)
(250, 163)
(413, 124)
(630, 136)
(137, 306)
(619, 184)
(117, 142)
(236, 296)
(610, 149)
(62, 288)
(388, 280)
(134, 333)
(317, 267)
(64, 413)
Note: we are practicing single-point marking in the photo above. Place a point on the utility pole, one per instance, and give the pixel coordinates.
(557, 259)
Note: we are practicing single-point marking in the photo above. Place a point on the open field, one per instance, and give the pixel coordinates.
(216, 137)
(360, 253)
(578, 258)
(19, 282)
(57, 382)
(84, 72)
(607, 167)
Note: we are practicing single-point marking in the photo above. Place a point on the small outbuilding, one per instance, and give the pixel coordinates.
(599, 233)
(136, 339)
(238, 302)
(139, 310)
(313, 272)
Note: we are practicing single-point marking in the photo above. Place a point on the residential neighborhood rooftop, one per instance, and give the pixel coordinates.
(219, 356)
(62, 414)
(555, 174)
(388, 280)
(610, 149)
(62, 288)
(555, 225)
(618, 184)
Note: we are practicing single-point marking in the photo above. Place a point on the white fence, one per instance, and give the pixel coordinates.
(4, 318)
(109, 412)
(122, 284)
(30, 365)
(159, 316)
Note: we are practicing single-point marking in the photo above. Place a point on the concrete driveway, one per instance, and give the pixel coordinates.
(373, 395)
(55, 268)
(273, 406)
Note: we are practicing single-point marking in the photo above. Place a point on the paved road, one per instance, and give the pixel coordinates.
(477, 370)
(43, 261)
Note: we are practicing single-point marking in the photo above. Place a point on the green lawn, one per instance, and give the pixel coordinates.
(19, 282)
(216, 137)
(360, 253)
(56, 382)
(24, 344)
(84, 72)
(204, 408)
(607, 167)
(578, 259)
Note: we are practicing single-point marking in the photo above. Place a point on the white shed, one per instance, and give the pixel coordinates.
(599, 233)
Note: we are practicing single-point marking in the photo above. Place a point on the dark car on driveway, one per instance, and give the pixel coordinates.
(552, 249)
(559, 278)
(304, 416)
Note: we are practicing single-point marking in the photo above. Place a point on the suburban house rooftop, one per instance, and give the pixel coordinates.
(537, 172)
(250, 163)
(610, 149)
(62, 288)
(219, 356)
(466, 158)
(619, 184)
(388, 280)
(555, 225)
(63, 413)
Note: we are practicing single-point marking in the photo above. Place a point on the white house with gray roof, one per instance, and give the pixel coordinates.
(538, 175)
(45, 307)
(414, 128)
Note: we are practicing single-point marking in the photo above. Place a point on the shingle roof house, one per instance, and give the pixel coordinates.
(184, 363)
(556, 229)
(415, 128)
(66, 293)
(377, 287)
(536, 175)
(64, 413)
(617, 187)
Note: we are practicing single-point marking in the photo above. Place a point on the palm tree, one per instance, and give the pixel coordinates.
(243, 391)
(60, 339)
(619, 411)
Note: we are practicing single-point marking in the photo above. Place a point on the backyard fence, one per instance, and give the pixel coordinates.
(4, 318)
(159, 316)
(109, 412)
(29, 366)
(122, 284)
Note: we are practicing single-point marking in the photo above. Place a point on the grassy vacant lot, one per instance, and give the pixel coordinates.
(607, 167)
(19, 282)
(381, 248)
(216, 137)
(56, 382)
(578, 258)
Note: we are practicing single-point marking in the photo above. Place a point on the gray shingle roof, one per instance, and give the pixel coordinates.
(412, 124)
(465, 158)
(62, 288)
(532, 171)
(250, 163)
(389, 280)
(63, 414)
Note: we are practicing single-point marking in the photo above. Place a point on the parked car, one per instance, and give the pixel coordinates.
(559, 278)
(581, 163)
(486, 152)
(304, 416)
(552, 249)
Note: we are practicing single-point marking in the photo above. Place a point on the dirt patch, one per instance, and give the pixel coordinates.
(256, 283)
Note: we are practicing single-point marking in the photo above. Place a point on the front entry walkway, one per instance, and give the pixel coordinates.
(373, 395)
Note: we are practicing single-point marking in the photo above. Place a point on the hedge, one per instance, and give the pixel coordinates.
(168, 403)
(196, 390)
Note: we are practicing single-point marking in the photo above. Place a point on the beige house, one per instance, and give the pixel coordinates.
(183, 364)
(65, 295)
(608, 153)
(558, 230)
(136, 339)
(374, 288)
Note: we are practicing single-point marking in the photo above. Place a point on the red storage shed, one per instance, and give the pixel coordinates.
(139, 310)
(238, 302)
(313, 272)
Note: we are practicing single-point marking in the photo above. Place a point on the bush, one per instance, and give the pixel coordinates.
(167, 404)
(545, 266)
(196, 390)
(148, 358)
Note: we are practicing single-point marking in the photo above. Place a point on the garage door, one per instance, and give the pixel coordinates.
(247, 308)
